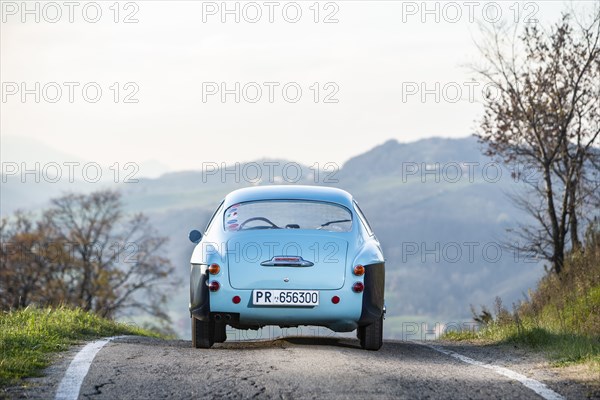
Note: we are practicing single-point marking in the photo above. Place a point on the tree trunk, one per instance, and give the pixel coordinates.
(558, 250)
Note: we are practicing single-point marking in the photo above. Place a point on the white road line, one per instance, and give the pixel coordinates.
(532, 384)
(69, 387)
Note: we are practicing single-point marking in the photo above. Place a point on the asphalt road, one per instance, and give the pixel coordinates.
(291, 368)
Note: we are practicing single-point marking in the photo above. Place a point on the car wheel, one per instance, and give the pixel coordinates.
(371, 336)
(203, 334)
(220, 332)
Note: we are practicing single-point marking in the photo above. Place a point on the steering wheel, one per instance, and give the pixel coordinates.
(258, 227)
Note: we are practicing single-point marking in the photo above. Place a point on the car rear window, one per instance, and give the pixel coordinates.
(287, 214)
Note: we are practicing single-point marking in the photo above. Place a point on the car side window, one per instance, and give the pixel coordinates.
(212, 220)
(363, 219)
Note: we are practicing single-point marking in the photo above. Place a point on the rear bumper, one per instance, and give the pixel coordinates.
(341, 317)
(352, 311)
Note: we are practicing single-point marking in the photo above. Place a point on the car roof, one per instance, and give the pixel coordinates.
(289, 192)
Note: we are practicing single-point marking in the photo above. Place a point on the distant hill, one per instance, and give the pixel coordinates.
(439, 233)
(387, 158)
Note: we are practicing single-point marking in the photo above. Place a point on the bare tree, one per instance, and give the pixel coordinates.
(30, 262)
(95, 257)
(544, 113)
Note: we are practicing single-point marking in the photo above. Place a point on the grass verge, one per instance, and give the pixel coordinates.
(561, 316)
(29, 337)
(561, 348)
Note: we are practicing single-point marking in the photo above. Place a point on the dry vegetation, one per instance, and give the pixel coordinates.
(561, 316)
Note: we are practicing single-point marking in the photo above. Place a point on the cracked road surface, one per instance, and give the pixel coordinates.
(143, 368)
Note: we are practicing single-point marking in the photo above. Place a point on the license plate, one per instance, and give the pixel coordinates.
(285, 298)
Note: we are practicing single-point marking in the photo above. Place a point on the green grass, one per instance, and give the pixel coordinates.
(561, 316)
(29, 337)
(563, 347)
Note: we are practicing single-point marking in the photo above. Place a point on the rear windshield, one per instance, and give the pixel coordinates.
(287, 214)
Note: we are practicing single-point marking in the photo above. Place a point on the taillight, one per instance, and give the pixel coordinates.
(214, 269)
(213, 286)
(236, 299)
(335, 299)
(358, 287)
(359, 270)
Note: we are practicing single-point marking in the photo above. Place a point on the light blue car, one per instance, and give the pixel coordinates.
(287, 256)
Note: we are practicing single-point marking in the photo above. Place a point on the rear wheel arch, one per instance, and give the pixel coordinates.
(373, 302)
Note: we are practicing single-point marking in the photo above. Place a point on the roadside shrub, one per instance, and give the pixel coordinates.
(565, 303)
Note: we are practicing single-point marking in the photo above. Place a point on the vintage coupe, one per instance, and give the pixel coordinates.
(287, 256)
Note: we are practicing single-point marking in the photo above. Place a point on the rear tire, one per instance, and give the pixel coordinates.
(220, 332)
(371, 336)
(360, 334)
(203, 334)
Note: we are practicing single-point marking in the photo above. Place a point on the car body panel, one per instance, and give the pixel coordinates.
(326, 251)
(240, 254)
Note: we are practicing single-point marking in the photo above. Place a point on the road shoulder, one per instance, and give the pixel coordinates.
(571, 381)
(44, 387)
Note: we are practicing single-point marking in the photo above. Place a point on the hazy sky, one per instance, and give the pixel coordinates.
(371, 61)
